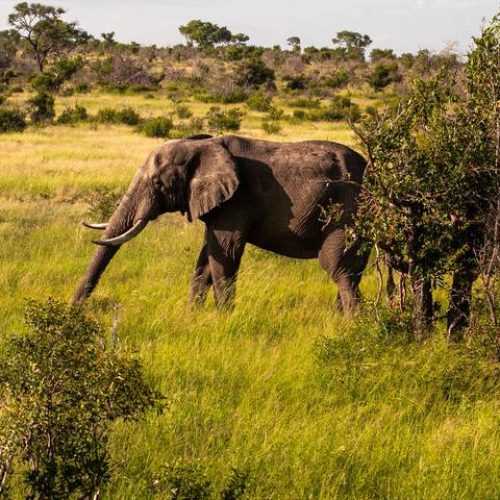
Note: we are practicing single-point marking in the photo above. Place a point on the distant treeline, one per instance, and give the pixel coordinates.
(43, 52)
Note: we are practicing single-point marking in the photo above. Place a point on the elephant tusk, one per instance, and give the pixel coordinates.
(123, 238)
(95, 226)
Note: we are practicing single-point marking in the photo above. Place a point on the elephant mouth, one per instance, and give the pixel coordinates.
(138, 226)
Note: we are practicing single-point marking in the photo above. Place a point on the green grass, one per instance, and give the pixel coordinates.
(282, 387)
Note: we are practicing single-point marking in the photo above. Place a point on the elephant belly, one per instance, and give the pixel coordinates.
(287, 243)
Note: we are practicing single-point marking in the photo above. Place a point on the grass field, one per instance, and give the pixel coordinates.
(282, 388)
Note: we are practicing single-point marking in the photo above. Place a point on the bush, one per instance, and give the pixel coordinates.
(338, 80)
(296, 82)
(102, 203)
(340, 108)
(126, 116)
(258, 101)
(52, 80)
(271, 124)
(254, 73)
(62, 384)
(72, 115)
(159, 126)
(303, 102)
(383, 74)
(41, 108)
(275, 114)
(182, 480)
(185, 479)
(182, 111)
(82, 88)
(227, 93)
(11, 120)
(193, 127)
(271, 127)
(300, 114)
(220, 121)
(106, 115)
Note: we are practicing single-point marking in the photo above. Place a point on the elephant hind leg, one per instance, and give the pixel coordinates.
(344, 266)
(202, 278)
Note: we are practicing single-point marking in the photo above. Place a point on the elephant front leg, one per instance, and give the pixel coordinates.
(202, 278)
(225, 249)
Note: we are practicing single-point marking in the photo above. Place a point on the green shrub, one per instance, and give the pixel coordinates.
(271, 123)
(338, 80)
(52, 80)
(183, 480)
(258, 101)
(275, 114)
(159, 126)
(72, 115)
(41, 108)
(271, 127)
(300, 114)
(253, 73)
(193, 127)
(82, 88)
(126, 116)
(102, 203)
(296, 82)
(303, 102)
(182, 111)
(384, 74)
(232, 94)
(340, 108)
(11, 120)
(220, 121)
(106, 115)
(62, 385)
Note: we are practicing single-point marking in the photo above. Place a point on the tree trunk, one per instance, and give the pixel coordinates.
(458, 315)
(422, 306)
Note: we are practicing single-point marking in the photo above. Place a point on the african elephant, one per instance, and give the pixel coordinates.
(273, 195)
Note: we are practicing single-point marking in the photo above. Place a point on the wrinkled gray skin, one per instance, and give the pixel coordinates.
(272, 195)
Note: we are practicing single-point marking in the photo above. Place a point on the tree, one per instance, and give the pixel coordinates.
(46, 34)
(377, 55)
(62, 384)
(205, 34)
(239, 39)
(352, 44)
(9, 42)
(430, 173)
(483, 89)
(109, 38)
(384, 73)
(294, 43)
(253, 73)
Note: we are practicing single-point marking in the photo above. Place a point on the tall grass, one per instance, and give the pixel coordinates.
(282, 388)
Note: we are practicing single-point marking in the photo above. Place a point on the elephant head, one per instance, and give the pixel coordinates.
(192, 176)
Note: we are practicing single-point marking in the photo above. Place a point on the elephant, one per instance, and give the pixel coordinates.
(277, 196)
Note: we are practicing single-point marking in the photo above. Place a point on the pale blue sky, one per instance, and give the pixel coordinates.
(404, 25)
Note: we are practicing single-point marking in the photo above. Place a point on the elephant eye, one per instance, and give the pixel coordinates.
(157, 184)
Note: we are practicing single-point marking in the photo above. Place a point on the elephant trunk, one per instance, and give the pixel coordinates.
(122, 221)
(101, 258)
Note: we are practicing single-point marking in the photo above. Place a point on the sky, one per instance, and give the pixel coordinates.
(403, 25)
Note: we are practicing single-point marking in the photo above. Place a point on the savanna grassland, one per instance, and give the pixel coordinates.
(300, 401)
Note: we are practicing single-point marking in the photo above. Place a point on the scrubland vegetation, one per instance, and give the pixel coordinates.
(281, 397)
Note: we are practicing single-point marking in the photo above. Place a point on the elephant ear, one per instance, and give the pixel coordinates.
(214, 179)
